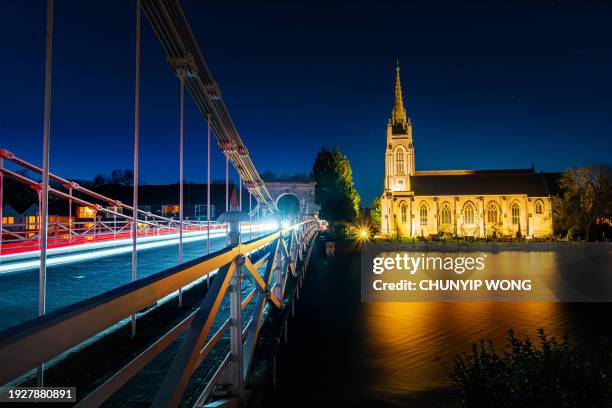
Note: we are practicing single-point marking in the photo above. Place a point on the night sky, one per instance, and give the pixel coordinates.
(485, 86)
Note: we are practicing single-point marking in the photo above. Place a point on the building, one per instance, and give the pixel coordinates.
(163, 199)
(476, 203)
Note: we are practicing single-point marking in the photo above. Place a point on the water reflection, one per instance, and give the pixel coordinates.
(411, 346)
(398, 354)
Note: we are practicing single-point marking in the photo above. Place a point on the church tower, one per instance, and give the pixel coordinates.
(399, 154)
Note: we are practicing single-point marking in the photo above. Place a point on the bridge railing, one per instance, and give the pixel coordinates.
(64, 188)
(22, 237)
(33, 343)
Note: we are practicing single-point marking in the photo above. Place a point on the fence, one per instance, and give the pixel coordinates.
(19, 237)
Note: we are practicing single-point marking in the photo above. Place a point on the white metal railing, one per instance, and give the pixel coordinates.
(105, 217)
(20, 237)
(33, 343)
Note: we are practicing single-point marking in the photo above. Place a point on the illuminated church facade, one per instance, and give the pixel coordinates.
(475, 203)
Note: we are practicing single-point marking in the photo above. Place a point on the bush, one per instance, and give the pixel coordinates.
(524, 375)
(574, 232)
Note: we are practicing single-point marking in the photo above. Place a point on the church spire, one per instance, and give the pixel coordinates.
(399, 113)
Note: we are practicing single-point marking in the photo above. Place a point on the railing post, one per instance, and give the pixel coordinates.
(278, 269)
(70, 216)
(226, 194)
(240, 192)
(235, 365)
(208, 199)
(1, 200)
(250, 215)
(95, 225)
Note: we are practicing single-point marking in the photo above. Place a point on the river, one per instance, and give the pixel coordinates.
(345, 352)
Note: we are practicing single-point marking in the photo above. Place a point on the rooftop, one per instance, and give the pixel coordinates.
(483, 182)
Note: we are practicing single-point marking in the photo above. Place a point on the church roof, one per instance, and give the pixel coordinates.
(480, 182)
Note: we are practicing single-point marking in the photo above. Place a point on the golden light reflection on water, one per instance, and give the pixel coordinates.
(411, 346)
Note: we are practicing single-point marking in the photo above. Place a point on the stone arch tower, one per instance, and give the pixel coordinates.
(303, 190)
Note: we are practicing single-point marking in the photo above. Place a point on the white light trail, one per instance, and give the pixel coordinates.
(95, 250)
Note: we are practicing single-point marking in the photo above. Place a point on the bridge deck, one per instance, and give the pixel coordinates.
(118, 349)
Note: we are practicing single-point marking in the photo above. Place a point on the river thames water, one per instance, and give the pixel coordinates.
(354, 353)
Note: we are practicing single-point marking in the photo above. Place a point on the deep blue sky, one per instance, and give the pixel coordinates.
(487, 86)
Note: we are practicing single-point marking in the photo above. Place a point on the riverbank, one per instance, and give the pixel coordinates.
(489, 246)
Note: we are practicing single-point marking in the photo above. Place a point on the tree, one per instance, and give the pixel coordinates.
(556, 373)
(267, 175)
(375, 211)
(118, 177)
(122, 177)
(586, 199)
(334, 191)
(100, 180)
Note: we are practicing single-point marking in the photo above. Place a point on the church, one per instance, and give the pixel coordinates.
(463, 203)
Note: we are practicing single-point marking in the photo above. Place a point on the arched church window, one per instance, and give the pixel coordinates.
(404, 212)
(468, 214)
(399, 161)
(423, 214)
(492, 213)
(446, 215)
(516, 213)
(538, 207)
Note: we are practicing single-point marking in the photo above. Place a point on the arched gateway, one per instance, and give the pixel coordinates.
(303, 190)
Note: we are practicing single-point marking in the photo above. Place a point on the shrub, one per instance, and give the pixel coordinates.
(574, 232)
(556, 374)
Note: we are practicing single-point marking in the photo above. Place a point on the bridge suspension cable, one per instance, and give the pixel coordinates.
(44, 191)
(136, 151)
(183, 53)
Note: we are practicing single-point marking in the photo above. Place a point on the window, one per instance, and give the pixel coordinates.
(516, 212)
(86, 212)
(423, 214)
(538, 207)
(446, 215)
(389, 165)
(492, 213)
(32, 222)
(399, 161)
(8, 220)
(170, 210)
(468, 214)
(201, 211)
(117, 209)
(404, 211)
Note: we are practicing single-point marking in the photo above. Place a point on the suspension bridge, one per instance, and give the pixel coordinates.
(250, 262)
